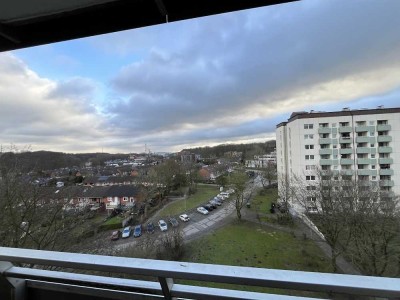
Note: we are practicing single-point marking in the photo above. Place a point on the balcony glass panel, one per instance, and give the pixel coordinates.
(346, 151)
(364, 150)
(384, 138)
(325, 151)
(347, 161)
(386, 183)
(325, 141)
(345, 129)
(386, 161)
(384, 127)
(365, 128)
(386, 172)
(324, 130)
(365, 139)
(366, 161)
(367, 172)
(345, 140)
(385, 150)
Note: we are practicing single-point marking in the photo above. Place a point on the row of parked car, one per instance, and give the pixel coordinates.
(150, 228)
(215, 202)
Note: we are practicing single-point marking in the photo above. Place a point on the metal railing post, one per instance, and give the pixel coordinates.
(166, 286)
(10, 288)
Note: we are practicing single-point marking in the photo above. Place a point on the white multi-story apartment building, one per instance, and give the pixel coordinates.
(362, 143)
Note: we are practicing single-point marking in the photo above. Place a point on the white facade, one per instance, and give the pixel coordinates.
(362, 143)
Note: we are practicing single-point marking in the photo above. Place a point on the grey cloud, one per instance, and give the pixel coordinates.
(234, 61)
(74, 88)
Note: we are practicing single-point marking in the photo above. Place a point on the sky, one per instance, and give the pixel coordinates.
(228, 78)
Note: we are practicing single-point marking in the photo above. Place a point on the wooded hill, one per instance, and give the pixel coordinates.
(248, 150)
(48, 160)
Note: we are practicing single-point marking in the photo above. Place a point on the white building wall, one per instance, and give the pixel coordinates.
(293, 137)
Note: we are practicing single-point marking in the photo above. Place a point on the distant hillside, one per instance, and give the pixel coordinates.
(47, 160)
(248, 150)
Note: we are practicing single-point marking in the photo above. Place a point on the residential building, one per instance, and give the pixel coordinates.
(364, 144)
(262, 161)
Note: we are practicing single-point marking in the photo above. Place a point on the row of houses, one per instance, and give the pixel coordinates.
(96, 197)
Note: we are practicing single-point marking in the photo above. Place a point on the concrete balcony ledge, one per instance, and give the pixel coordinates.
(90, 286)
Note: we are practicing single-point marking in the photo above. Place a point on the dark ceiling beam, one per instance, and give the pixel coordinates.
(111, 17)
(6, 33)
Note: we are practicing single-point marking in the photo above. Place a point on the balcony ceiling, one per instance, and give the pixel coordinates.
(26, 23)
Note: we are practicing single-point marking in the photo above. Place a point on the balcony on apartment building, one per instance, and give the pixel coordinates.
(343, 129)
(383, 127)
(364, 128)
(365, 139)
(385, 149)
(158, 279)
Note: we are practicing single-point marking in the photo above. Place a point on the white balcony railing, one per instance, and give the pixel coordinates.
(17, 282)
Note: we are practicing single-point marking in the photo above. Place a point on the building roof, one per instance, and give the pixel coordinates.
(345, 112)
(26, 23)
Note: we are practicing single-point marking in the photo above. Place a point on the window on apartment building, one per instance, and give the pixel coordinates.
(373, 167)
(372, 145)
(343, 124)
(334, 146)
(360, 123)
(372, 155)
(325, 156)
(308, 126)
(325, 168)
(373, 177)
(309, 157)
(325, 146)
(310, 177)
(382, 122)
(324, 135)
(308, 136)
(311, 187)
(309, 147)
(323, 125)
(310, 167)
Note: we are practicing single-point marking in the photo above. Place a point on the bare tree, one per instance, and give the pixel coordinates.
(357, 218)
(268, 174)
(238, 181)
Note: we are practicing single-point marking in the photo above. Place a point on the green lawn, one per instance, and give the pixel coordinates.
(114, 220)
(262, 202)
(248, 244)
(203, 194)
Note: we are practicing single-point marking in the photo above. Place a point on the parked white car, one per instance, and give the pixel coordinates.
(202, 210)
(163, 225)
(184, 217)
(126, 232)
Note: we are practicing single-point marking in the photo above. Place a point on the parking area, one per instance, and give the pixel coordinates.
(198, 224)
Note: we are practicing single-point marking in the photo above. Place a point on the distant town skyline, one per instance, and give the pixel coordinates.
(228, 78)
